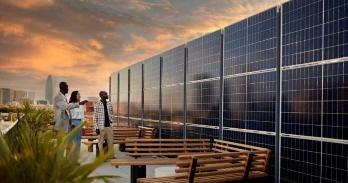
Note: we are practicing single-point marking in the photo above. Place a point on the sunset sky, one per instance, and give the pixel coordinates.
(85, 41)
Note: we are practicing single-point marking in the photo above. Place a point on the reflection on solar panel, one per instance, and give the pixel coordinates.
(173, 92)
(301, 107)
(114, 92)
(135, 91)
(123, 92)
(231, 80)
(151, 91)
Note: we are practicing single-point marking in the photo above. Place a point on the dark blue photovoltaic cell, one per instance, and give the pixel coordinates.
(302, 32)
(173, 92)
(204, 57)
(135, 90)
(203, 103)
(173, 103)
(151, 103)
(261, 100)
(314, 95)
(235, 102)
(202, 133)
(123, 103)
(170, 130)
(113, 92)
(300, 160)
(152, 72)
(235, 48)
(234, 136)
(335, 29)
(172, 110)
(335, 101)
(151, 89)
(262, 40)
(334, 163)
(301, 101)
(173, 66)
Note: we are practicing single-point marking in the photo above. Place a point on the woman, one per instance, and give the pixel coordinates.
(77, 116)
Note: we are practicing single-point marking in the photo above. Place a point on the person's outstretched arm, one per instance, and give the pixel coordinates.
(63, 105)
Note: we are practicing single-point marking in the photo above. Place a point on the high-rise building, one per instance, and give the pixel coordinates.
(19, 95)
(8, 95)
(30, 95)
(277, 79)
(49, 89)
(5, 95)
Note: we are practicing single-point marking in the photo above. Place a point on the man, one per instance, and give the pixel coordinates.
(102, 121)
(61, 109)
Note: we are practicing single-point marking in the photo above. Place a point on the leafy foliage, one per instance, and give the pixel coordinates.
(33, 153)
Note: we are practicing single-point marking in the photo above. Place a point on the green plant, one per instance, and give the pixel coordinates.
(42, 156)
(32, 152)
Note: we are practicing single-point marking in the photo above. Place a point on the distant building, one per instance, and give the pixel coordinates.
(49, 89)
(19, 95)
(8, 95)
(42, 102)
(30, 95)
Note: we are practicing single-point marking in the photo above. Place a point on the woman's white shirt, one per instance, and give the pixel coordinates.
(78, 113)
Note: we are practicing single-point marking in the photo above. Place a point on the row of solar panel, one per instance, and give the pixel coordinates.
(314, 98)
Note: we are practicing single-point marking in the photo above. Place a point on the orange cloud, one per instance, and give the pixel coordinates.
(11, 29)
(95, 44)
(26, 4)
(71, 47)
(149, 46)
(64, 59)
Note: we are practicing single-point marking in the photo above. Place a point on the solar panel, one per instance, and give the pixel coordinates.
(313, 102)
(235, 48)
(173, 92)
(301, 101)
(135, 90)
(334, 162)
(262, 40)
(203, 88)
(123, 103)
(114, 92)
(335, 101)
(302, 32)
(335, 29)
(313, 88)
(300, 160)
(261, 94)
(151, 91)
(235, 102)
(250, 57)
(204, 57)
(173, 66)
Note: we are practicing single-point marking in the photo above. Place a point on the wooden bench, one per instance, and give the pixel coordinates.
(166, 147)
(259, 156)
(120, 135)
(207, 168)
(147, 132)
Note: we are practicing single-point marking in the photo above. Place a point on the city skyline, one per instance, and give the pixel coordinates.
(85, 41)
